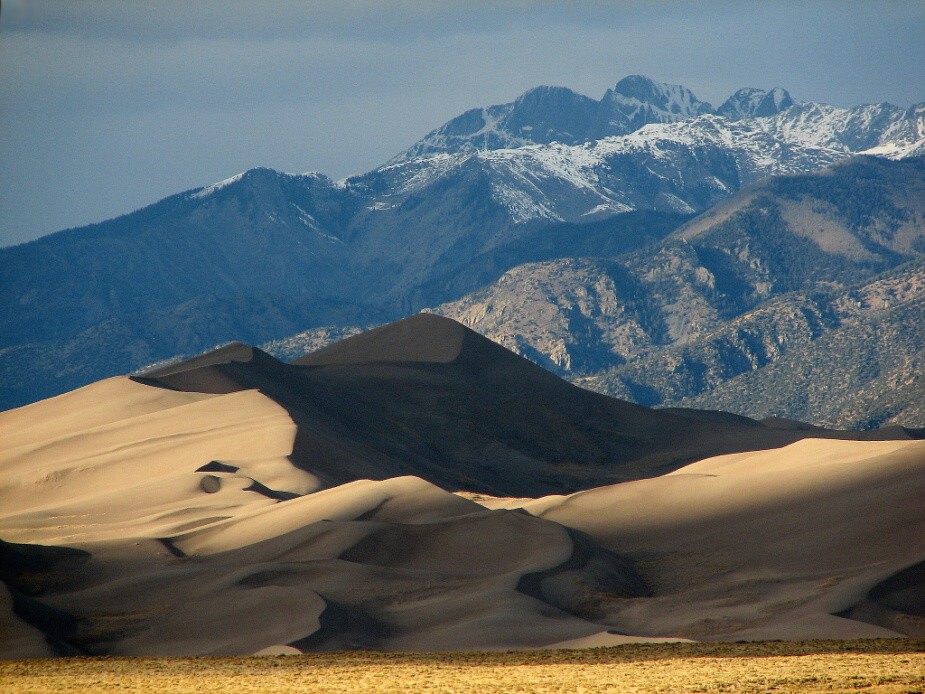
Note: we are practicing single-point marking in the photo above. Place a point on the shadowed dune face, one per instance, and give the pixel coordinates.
(896, 603)
(429, 397)
(234, 504)
(397, 564)
(423, 338)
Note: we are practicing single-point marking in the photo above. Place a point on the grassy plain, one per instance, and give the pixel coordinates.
(882, 666)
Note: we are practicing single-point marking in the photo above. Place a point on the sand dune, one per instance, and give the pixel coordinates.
(114, 544)
(234, 504)
(427, 396)
(100, 471)
(768, 544)
(397, 564)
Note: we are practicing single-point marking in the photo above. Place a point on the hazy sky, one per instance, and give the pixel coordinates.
(108, 106)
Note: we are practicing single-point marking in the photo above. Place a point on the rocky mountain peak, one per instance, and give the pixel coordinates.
(674, 101)
(750, 102)
(545, 95)
(550, 114)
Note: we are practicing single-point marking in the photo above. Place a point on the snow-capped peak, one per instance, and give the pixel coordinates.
(750, 102)
(547, 115)
(672, 100)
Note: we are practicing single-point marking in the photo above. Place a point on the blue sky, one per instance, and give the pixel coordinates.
(108, 106)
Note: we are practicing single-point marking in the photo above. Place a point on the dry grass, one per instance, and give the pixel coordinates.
(888, 665)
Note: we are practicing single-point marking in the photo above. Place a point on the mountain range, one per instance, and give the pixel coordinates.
(556, 114)
(645, 201)
(780, 267)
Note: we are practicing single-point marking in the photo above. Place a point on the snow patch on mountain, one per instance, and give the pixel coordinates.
(848, 130)
(680, 166)
(210, 189)
(892, 150)
(544, 115)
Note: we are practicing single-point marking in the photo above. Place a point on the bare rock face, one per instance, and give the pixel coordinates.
(797, 270)
(755, 103)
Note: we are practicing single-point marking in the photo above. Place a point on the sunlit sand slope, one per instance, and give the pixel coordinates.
(771, 544)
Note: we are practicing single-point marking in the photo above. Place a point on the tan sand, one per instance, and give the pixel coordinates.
(760, 545)
(79, 467)
(178, 560)
(148, 520)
